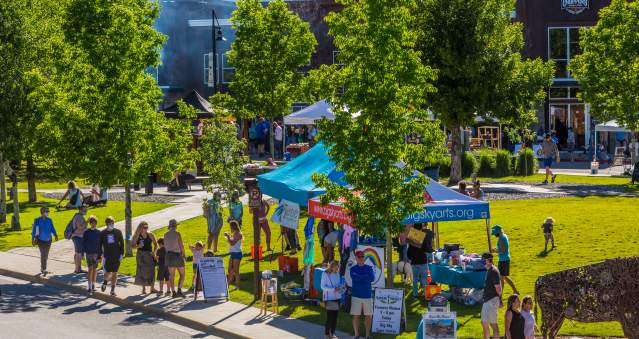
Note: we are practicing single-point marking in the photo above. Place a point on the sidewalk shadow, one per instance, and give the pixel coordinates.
(96, 305)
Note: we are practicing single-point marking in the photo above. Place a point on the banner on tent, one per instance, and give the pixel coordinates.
(329, 212)
(373, 257)
(433, 213)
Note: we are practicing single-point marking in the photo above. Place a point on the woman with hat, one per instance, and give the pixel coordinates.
(145, 243)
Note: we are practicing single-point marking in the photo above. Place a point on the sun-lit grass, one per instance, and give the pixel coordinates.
(588, 230)
(564, 178)
(47, 184)
(29, 211)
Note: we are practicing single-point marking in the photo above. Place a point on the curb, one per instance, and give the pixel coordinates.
(173, 317)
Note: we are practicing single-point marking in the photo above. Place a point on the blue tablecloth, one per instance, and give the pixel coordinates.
(454, 276)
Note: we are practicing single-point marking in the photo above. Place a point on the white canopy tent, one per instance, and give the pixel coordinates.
(609, 126)
(309, 115)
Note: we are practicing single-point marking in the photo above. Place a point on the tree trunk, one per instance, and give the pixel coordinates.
(31, 176)
(456, 156)
(389, 259)
(271, 139)
(15, 219)
(127, 218)
(3, 192)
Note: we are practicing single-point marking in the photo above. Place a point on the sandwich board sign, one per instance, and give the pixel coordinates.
(213, 277)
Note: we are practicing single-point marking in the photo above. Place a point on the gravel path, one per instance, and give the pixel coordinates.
(118, 196)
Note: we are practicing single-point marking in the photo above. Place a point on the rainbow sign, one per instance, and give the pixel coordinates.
(373, 257)
(370, 255)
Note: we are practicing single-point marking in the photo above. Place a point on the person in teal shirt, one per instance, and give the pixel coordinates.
(236, 208)
(503, 253)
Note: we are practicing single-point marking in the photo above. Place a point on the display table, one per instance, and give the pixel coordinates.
(455, 276)
(297, 149)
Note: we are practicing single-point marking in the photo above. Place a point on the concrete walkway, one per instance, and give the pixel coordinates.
(226, 319)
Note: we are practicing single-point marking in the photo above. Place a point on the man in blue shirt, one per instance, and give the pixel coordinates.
(503, 253)
(362, 277)
(42, 233)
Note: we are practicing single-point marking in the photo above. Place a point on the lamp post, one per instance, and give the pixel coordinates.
(216, 35)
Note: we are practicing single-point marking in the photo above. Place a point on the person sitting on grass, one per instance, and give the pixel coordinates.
(74, 194)
(548, 226)
(462, 188)
(198, 252)
(97, 197)
(235, 249)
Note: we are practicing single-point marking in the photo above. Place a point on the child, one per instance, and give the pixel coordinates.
(163, 272)
(526, 310)
(548, 226)
(235, 249)
(198, 252)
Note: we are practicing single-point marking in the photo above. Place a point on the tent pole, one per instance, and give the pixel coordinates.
(490, 247)
(436, 228)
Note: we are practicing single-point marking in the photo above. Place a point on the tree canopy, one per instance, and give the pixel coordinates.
(608, 67)
(475, 47)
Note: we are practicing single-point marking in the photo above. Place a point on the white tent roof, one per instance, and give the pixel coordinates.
(309, 115)
(610, 126)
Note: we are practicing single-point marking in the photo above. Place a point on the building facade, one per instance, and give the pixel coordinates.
(551, 32)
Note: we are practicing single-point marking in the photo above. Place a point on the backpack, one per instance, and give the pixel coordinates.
(68, 231)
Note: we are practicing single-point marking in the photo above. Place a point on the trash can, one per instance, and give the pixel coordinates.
(148, 188)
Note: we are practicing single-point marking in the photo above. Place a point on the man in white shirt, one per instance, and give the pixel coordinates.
(278, 139)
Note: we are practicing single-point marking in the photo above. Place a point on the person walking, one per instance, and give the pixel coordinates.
(491, 297)
(163, 272)
(548, 226)
(235, 250)
(418, 257)
(112, 248)
(42, 234)
(362, 277)
(529, 318)
(332, 288)
(79, 225)
(236, 208)
(91, 249)
(262, 214)
(213, 215)
(174, 258)
(550, 152)
(514, 321)
(503, 253)
(145, 244)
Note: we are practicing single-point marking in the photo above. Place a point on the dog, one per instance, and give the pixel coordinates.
(404, 269)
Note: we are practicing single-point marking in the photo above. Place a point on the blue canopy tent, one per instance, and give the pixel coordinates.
(293, 182)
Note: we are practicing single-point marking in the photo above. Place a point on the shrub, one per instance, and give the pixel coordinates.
(487, 164)
(469, 164)
(503, 164)
(526, 163)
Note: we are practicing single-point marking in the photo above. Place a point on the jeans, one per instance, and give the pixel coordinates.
(331, 322)
(420, 273)
(44, 247)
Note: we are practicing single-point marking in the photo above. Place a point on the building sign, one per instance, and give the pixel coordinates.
(574, 6)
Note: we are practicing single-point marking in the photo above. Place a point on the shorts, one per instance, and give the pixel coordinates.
(92, 260)
(78, 244)
(358, 305)
(236, 255)
(174, 259)
(163, 273)
(489, 311)
(504, 268)
(111, 264)
(548, 162)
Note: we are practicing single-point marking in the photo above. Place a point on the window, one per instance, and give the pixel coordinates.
(206, 69)
(563, 45)
(228, 71)
(559, 92)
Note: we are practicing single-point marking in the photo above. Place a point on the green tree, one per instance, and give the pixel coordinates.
(271, 44)
(101, 120)
(476, 47)
(606, 70)
(383, 79)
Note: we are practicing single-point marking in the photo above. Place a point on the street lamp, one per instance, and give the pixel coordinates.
(216, 35)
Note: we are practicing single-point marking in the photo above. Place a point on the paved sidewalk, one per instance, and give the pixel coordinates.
(227, 319)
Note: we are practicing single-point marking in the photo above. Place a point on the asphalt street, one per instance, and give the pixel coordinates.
(29, 310)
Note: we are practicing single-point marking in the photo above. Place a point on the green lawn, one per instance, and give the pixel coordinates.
(587, 230)
(47, 184)
(561, 178)
(29, 211)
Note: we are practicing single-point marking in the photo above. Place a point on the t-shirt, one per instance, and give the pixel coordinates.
(418, 255)
(161, 253)
(91, 241)
(492, 279)
(362, 277)
(505, 256)
(111, 243)
(278, 133)
(547, 227)
(529, 325)
(172, 241)
(549, 149)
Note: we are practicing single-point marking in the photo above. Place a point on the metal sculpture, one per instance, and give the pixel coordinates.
(605, 291)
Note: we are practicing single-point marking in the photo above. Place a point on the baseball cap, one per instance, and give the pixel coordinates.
(359, 254)
(496, 229)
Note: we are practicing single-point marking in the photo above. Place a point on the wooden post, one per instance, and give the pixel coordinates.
(490, 247)
(255, 201)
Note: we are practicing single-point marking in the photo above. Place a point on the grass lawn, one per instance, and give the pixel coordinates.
(564, 178)
(29, 211)
(588, 230)
(46, 184)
